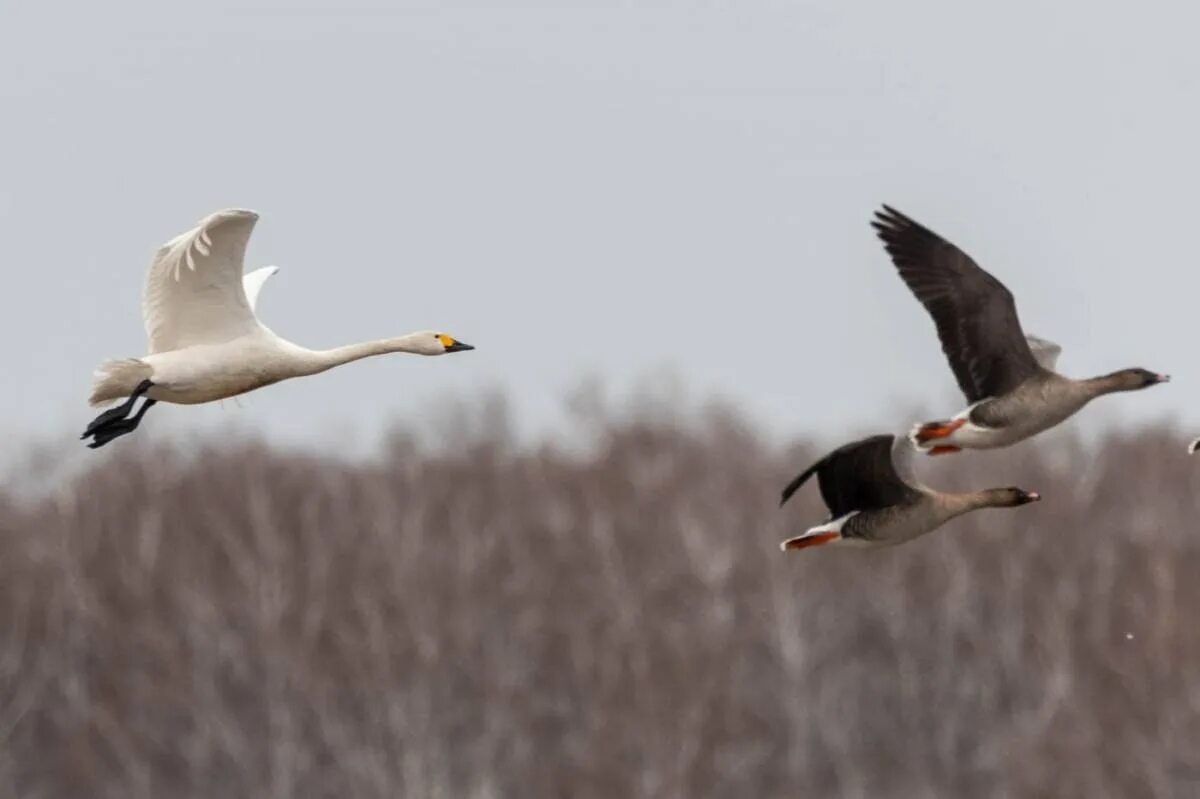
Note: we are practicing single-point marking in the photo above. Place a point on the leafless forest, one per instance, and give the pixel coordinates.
(613, 620)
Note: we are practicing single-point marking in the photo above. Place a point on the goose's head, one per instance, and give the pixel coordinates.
(1013, 497)
(1135, 379)
(432, 342)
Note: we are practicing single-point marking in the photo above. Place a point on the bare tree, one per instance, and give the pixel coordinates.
(491, 621)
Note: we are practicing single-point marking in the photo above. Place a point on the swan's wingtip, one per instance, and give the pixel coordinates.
(230, 213)
(1194, 446)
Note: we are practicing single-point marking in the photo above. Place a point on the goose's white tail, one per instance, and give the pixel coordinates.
(1192, 447)
(117, 379)
(932, 437)
(828, 533)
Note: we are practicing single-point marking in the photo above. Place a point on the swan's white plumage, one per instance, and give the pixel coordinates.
(253, 282)
(206, 343)
(194, 292)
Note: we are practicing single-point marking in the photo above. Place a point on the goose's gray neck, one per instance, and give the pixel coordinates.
(953, 505)
(1105, 384)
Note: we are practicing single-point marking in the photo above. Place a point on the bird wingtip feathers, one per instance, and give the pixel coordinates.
(888, 222)
(799, 480)
(232, 213)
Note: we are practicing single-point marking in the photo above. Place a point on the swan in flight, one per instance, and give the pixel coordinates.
(206, 342)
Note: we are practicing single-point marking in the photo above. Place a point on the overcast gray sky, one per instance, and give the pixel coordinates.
(604, 191)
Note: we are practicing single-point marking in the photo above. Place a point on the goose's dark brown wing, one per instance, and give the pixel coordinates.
(975, 314)
(858, 476)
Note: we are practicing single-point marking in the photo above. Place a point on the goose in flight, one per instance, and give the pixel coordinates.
(1008, 377)
(870, 504)
(206, 342)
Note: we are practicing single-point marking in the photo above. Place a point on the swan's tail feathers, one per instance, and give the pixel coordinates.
(925, 436)
(1192, 447)
(810, 539)
(117, 379)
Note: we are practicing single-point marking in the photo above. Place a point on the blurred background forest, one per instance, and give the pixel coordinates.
(487, 618)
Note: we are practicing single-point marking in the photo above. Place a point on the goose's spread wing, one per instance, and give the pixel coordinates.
(858, 476)
(194, 292)
(1045, 352)
(975, 314)
(252, 283)
(903, 456)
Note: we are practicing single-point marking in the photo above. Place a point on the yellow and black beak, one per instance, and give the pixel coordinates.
(453, 345)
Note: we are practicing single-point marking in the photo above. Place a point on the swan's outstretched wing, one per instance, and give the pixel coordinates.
(194, 292)
(1046, 352)
(252, 283)
(975, 314)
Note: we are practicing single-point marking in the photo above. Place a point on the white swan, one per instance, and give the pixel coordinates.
(206, 342)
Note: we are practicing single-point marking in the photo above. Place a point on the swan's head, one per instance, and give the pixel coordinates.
(431, 342)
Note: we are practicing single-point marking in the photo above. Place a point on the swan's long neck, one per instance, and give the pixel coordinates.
(320, 360)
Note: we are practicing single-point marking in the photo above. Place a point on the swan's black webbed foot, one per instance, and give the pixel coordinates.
(113, 422)
(119, 427)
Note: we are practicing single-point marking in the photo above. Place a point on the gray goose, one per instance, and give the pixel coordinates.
(1007, 377)
(870, 504)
